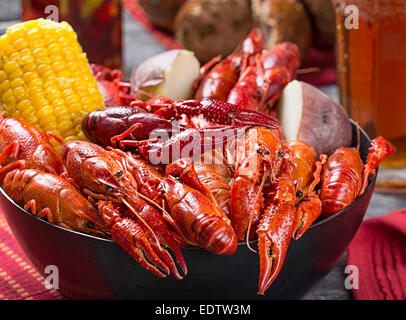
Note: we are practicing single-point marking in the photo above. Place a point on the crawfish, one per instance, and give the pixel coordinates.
(261, 84)
(306, 176)
(257, 161)
(218, 112)
(345, 177)
(51, 197)
(199, 221)
(103, 175)
(217, 78)
(126, 126)
(115, 91)
(24, 146)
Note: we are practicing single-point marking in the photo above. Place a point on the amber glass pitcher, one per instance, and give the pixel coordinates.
(371, 67)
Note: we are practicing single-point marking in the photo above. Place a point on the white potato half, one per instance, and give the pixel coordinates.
(170, 74)
(308, 114)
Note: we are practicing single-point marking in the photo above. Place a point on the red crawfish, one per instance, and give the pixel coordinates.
(261, 84)
(258, 158)
(51, 197)
(345, 177)
(126, 126)
(218, 77)
(263, 199)
(135, 225)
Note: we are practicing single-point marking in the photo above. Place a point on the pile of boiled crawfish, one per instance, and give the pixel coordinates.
(225, 174)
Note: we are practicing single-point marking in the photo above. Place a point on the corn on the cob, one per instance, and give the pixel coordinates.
(45, 78)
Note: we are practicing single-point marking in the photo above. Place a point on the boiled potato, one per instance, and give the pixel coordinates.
(170, 74)
(283, 20)
(308, 114)
(213, 27)
(161, 12)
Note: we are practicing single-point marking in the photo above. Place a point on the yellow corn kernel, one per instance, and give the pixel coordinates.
(5, 85)
(3, 76)
(29, 76)
(8, 49)
(20, 93)
(49, 76)
(10, 66)
(48, 123)
(28, 67)
(25, 106)
(20, 44)
(16, 74)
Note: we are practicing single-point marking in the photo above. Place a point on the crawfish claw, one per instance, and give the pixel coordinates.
(168, 242)
(130, 236)
(270, 264)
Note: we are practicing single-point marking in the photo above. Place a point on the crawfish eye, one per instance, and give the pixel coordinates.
(299, 194)
(109, 189)
(259, 151)
(259, 93)
(281, 154)
(119, 173)
(90, 225)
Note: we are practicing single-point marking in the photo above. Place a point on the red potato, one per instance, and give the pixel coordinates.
(170, 74)
(308, 114)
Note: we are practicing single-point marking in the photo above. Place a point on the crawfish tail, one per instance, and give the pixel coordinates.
(214, 234)
(341, 180)
(200, 221)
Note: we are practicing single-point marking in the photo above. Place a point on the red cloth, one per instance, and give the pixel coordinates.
(324, 60)
(379, 252)
(18, 278)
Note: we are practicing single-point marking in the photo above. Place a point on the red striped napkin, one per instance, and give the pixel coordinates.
(378, 251)
(18, 278)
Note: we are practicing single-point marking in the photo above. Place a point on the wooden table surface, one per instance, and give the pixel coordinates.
(139, 45)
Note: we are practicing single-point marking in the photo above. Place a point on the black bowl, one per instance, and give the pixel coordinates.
(94, 268)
